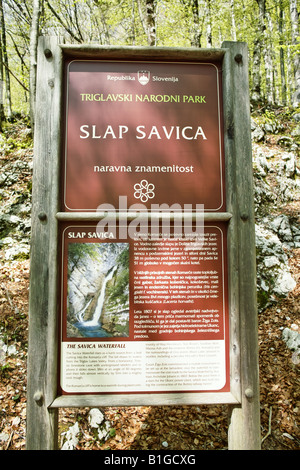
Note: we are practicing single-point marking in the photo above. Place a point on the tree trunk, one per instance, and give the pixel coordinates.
(34, 33)
(256, 95)
(296, 56)
(2, 115)
(209, 23)
(133, 23)
(282, 60)
(233, 25)
(4, 62)
(197, 30)
(270, 86)
(151, 21)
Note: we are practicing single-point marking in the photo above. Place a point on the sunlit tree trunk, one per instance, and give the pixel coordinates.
(2, 115)
(270, 85)
(209, 23)
(197, 29)
(233, 28)
(151, 22)
(296, 56)
(281, 54)
(4, 62)
(256, 95)
(34, 33)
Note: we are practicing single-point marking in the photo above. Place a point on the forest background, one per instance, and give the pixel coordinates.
(271, 30)
(269, 27)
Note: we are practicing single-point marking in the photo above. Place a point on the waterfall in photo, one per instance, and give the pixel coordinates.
(97, 290)
(81, 314)
(100, 302)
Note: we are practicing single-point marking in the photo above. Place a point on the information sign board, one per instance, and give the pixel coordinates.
(147, 133)
(142, 288)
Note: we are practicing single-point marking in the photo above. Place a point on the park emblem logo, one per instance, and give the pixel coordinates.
(143, 77)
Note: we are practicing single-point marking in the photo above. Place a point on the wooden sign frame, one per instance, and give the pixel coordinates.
(43, 354)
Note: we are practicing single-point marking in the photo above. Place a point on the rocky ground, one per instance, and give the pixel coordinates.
(277, 196)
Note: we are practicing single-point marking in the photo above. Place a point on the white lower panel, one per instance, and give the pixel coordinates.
(153, 366)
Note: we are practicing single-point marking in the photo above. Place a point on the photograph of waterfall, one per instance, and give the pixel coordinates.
(98, 290)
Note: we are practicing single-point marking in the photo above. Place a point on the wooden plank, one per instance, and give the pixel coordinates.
(42, 353)
(143, 399)
(232, 237)
(132, 53)
(149, 215)
(244, 429)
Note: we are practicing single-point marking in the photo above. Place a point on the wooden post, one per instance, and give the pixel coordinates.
(42, 423)
(244, 428)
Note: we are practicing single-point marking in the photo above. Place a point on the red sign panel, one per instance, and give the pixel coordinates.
(149, 131)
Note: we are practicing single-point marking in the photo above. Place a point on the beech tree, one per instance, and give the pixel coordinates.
(34, 32)
(259, 43)
(151, 22)
(2, 115)
(294, 14)
(4, 64)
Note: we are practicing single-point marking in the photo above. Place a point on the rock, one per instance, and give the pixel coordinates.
(287, 232)
(3, 349)
(271, 261)
(4, 437)
(71, 437)
(72, 331)
(281, 226)
(273, 275)
(95, 418)
(9, 220)
(296, 132)
(284, 283)
(257, 132)
(296, 117)
(11, 350)
(17, 252)
(8, 179)
(97, 421)
(270, 128)
(291, 338)
(285, 141)
(262, 165)
(288, 189)
(288, 164)
(116, 322)
(104, 431)
(263, 196)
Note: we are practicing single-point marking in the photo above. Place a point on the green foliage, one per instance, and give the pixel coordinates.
(123, 257)
(178, 23)
(269, 116)
(118, 292)
(14, 138)
(78, 251)
(5, 370)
